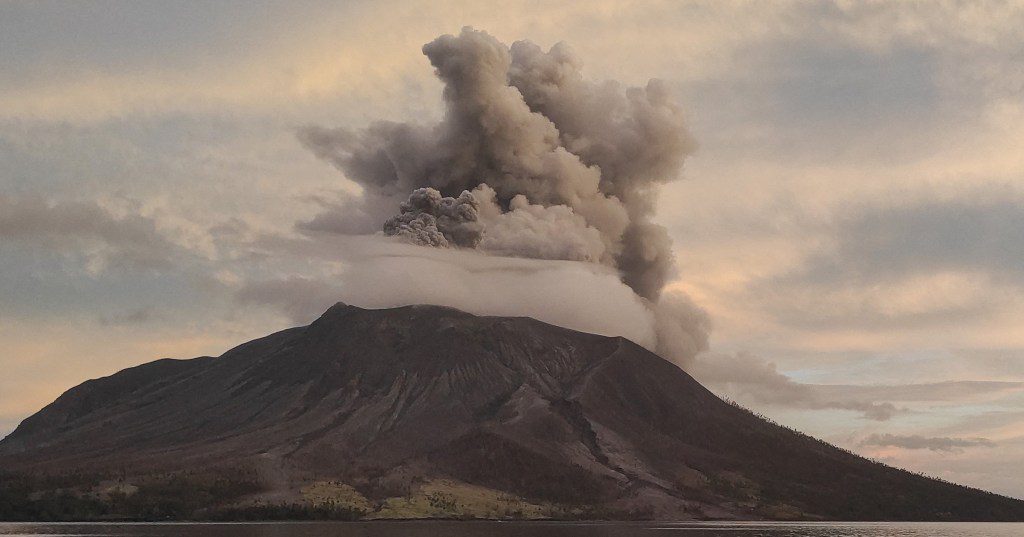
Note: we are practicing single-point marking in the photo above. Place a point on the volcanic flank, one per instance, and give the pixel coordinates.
(429, 411)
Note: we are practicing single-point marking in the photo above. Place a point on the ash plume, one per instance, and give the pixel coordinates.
(530, 160)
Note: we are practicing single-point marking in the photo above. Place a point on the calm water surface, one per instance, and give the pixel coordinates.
(521, 529)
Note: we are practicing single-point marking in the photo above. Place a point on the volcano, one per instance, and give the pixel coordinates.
(426, 411)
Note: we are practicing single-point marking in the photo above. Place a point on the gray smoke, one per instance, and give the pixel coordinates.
(525, 123)
(536, 231)
(530, 160)
(429, 219)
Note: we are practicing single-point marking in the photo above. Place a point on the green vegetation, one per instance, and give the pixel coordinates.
(336, 494)
(229, 496)
(291, 511)
(447, 498)
(173, 496)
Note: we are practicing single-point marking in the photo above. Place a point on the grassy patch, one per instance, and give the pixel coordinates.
(453, 499)
(335, 493)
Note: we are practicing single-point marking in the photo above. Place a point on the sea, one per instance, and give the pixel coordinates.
(519, 529)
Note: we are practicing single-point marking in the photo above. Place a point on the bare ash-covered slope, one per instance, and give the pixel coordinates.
(381, 403)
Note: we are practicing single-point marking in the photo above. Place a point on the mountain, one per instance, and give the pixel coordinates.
(430, 411)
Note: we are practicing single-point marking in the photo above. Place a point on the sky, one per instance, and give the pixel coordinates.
(851, 221)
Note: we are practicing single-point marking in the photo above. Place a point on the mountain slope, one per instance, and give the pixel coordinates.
(379, 405)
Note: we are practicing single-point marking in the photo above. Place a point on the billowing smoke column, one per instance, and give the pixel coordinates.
(530, 160)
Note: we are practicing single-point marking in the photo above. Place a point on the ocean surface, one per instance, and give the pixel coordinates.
(521, 529)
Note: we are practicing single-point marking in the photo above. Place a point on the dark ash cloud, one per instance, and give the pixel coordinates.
(429, 219)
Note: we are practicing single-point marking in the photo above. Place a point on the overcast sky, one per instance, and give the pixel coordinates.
(852, 222)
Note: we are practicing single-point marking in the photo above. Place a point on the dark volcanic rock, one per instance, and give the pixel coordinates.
(422, 392)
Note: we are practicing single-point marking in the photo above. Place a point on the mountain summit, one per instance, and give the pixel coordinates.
(430, 411)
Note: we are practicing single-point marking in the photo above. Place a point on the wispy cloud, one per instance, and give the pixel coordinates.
(945, 444)
(756, 382)
(86, 230)
(130, 317)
